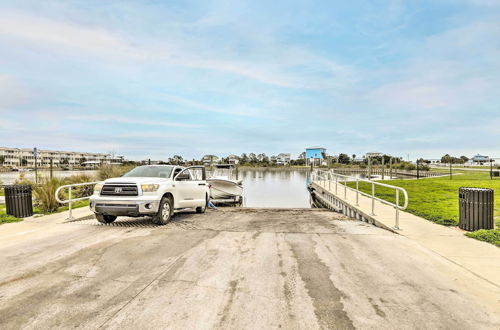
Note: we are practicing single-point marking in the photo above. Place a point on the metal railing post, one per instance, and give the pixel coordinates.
(373, 199)
(70, 217)
(345, 188)
(357, 192)
(329, 180)
(336, 184)
(397, 210)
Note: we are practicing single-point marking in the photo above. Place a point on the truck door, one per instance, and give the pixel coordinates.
(191, 187)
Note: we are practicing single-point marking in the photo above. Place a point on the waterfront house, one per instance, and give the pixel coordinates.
(233, 159)
(283, 159)
(316, 156)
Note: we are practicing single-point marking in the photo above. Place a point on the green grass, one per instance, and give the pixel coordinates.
(436, 199)
(4, 218)
(491, 236)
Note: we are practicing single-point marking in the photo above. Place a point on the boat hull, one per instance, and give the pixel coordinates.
(224, 189)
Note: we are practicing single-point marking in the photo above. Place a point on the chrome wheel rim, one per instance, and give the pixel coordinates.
(165, 211)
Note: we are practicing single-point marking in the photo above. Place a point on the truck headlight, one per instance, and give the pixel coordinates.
(97, 188)
(149, 187)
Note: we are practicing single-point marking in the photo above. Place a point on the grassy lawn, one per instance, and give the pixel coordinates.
(436, 199)
(4, 218)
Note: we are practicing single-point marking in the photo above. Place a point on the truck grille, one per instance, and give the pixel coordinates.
(119, 190)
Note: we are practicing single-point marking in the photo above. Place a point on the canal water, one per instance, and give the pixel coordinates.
(10, 177)
(275, 188)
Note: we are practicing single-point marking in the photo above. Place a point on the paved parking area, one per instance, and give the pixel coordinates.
(233, 269)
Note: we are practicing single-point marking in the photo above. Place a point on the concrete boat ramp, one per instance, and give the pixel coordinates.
(232, 269)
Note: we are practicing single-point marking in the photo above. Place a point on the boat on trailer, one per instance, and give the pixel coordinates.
(224, 186)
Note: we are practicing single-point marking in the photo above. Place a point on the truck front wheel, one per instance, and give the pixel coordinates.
(165, 211)
(103, 218)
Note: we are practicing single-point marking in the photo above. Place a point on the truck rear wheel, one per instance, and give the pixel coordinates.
(203, 208)
(103, 218)
(165, 211)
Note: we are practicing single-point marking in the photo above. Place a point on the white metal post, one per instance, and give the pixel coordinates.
(70, 217)
(329, 180)
(397, 210)
(336, 183)
(373, 199)
(345, 188)
(357, 192)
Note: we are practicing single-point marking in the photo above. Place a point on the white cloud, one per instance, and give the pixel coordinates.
(277, 68)
(455, 69)
(49, 32)
(13, 93)
(125, 120)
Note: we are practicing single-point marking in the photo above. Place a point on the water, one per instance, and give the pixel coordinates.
(275, 188)
(11, 177)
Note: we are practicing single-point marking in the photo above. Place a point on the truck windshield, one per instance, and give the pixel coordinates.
(150, 172)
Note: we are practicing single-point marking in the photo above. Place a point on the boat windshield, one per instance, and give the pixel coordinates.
(150, 172)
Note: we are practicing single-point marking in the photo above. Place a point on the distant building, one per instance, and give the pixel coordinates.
(316, 156)
(283, 159)
(209, 160)
(233, 159)
(480, 159)
(21, 157)
(150, 162)
(373, 154)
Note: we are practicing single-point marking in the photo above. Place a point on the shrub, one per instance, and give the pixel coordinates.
(113, 171)
(45, 191)
(409, 167)
(82, 191)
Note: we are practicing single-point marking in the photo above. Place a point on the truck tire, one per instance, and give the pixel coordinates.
(103, 218)
(202, 209)
(165, 211)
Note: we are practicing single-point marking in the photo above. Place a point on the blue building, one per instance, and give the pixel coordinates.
(316, 155)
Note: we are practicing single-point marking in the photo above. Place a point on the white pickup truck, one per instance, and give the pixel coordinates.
(153, 190)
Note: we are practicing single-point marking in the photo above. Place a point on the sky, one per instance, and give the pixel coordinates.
(152, 79)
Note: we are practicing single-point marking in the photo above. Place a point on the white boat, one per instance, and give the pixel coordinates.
(222, 183)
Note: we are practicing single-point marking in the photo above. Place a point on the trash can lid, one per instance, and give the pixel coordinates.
(475, 189)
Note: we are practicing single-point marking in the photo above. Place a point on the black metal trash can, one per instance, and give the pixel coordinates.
(18, 200)
(476, 208)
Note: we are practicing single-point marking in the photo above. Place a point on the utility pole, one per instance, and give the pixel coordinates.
(418, 173)
(369, 168)
(383, 166)
(450, 170)
(36, 173)
(390, 167)
(491, 169)
(51, 165)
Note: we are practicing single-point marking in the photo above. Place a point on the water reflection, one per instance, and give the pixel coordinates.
(275, 188)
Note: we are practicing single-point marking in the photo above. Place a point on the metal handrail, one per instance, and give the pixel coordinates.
(329, 175)
(71, 200)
